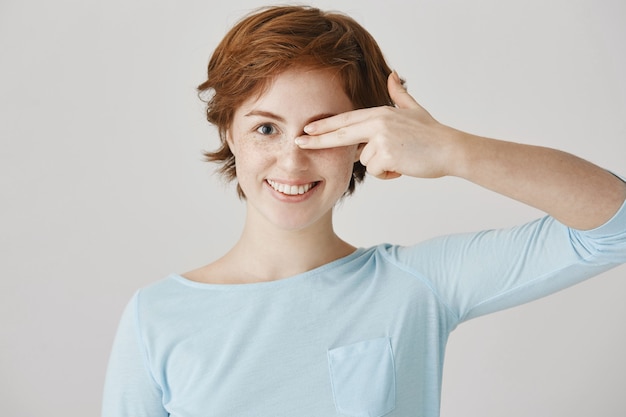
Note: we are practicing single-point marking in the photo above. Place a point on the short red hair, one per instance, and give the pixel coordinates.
(273, 39)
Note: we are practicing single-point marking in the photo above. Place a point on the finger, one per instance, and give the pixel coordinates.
(369, 159)
(389, 175)
(366, 153)
(398, 93)
(344, 136)
(381, 173)
(329, 124)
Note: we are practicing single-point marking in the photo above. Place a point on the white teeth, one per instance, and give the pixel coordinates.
(290, 189)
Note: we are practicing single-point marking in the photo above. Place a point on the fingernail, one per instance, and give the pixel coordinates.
(301, 140)
(310, 128)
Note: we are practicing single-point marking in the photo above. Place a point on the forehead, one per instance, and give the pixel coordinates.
(301, 90)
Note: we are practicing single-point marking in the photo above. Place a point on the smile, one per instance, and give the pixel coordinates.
(291, 189)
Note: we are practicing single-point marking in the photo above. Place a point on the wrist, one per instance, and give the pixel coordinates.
(458, 151)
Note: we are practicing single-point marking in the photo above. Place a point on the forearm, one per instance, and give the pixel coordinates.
(576, 192)
(407, 140)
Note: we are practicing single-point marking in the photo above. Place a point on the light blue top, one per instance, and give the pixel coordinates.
(362, 336)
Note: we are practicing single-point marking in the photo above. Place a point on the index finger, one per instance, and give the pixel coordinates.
(340, 130)
(337, 121)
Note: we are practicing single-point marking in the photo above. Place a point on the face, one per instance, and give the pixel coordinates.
(289, 187)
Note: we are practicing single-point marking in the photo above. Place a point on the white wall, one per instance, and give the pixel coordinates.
(103, 189)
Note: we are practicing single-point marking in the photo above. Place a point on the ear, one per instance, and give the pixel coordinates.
(230, 142)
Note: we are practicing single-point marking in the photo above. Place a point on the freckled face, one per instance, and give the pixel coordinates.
(290, 187)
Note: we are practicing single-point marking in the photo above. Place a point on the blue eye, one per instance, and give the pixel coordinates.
(266, 129)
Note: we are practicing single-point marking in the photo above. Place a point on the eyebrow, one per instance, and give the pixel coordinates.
(278, 118)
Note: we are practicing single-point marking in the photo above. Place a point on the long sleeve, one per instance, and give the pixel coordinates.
(479, 273)
(130, 390)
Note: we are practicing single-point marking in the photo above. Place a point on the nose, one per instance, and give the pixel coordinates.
(292, 158)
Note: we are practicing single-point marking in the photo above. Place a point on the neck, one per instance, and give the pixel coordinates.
(265, 252)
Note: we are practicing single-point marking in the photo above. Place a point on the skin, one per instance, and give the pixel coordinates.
(303, 130)
(299, 227)
(407, 140)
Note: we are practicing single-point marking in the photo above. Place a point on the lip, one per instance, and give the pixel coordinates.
(300, 190)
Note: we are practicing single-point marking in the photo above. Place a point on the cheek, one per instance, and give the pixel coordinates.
(249, 152)
(340, 160)
(346, 155)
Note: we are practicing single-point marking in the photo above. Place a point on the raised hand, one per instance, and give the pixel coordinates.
(406, 140)
(395, 141)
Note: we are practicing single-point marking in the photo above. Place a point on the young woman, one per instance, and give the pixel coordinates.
(294, 321)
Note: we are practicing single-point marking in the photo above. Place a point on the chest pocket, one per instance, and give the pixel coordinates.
(363, 378)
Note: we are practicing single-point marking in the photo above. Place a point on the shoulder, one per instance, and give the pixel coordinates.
(386, 258)
(162, 295)
(216, 272)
